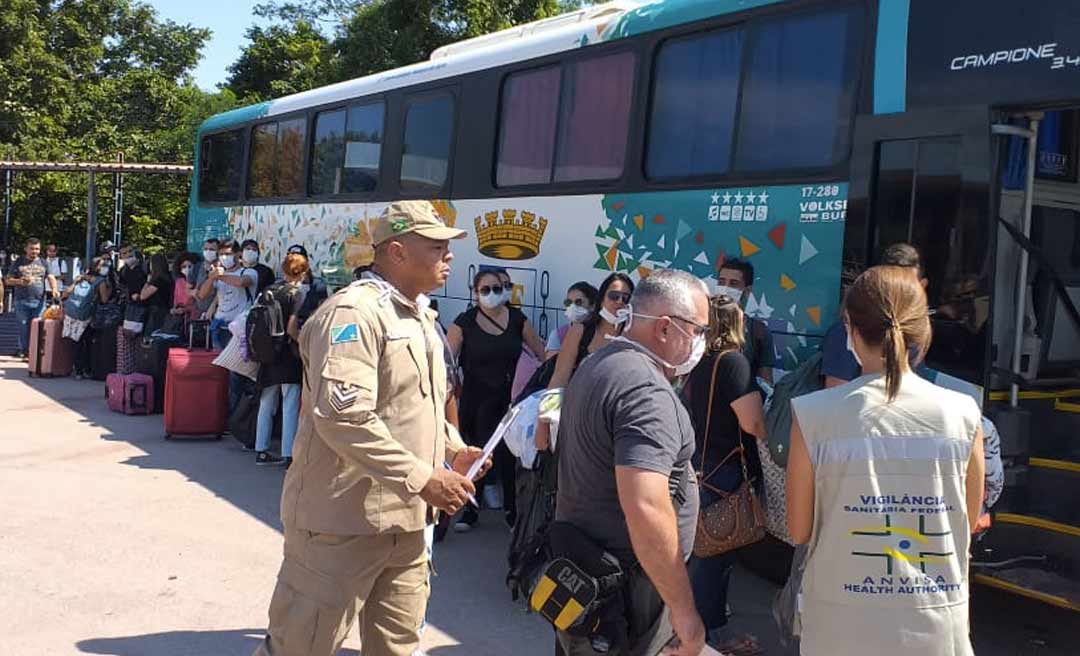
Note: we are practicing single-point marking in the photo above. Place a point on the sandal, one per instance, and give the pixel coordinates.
(746, 645)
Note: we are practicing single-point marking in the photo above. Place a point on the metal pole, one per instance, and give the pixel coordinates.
(91, 219)
(7, 206)
(118, 205)
(1021, 282)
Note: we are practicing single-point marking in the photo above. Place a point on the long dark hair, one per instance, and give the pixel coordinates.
(594, 320)
(159, 265)
(179, 263)
(586, 290)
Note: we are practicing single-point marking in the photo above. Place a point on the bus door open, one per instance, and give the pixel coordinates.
(924, 177)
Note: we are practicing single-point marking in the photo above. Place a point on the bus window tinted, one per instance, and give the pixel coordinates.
(595, 118)
(277, 159)
(220, 162)
(347, 148)
(426, 144)
(694, 102)
(798, 98)
(530, 110)
(328, 152)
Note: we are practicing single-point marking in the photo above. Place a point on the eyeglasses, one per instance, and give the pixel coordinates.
(618, 297)
(698, 329)
(580, 302)
(492, 289)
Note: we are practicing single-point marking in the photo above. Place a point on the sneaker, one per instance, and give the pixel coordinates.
(267, 458)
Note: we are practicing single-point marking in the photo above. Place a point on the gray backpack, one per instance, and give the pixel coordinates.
(804, 379)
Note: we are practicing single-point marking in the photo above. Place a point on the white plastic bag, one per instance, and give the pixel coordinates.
(520, 435)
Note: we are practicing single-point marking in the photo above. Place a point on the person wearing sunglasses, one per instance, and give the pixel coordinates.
(725, 405)
(487, 340)
(588, 336)
(578, 306)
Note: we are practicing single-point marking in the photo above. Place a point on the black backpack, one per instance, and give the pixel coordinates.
(265, 329)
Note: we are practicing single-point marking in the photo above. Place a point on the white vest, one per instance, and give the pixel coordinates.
(887, 567)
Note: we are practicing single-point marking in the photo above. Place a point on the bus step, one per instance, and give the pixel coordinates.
(1033, 583)
(1052, 488)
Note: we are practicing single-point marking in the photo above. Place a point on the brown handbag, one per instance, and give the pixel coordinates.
(737, 518)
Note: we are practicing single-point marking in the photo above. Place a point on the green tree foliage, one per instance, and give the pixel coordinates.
(281, 59)
(85, 81)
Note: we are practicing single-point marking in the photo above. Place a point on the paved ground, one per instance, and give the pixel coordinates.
(115, 541)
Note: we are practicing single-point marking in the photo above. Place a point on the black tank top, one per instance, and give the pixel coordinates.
(488, 361)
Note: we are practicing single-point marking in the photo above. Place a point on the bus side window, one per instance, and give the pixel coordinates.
(347, 149)
(425, 153)
(220, 160)
(277, 159)
(805, 61)
(695, 97)
(566, 123)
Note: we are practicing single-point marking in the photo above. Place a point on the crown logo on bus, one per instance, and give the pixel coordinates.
(510, 235)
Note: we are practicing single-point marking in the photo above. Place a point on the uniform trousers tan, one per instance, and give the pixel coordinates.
(326, 580)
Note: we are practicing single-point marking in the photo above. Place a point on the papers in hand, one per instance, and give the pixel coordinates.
(493, 441)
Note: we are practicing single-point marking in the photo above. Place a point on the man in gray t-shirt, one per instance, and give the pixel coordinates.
(625, 444)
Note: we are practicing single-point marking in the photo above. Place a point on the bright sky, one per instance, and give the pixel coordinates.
(227, 19)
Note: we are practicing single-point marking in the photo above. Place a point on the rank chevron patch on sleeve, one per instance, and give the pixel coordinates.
(343, 396)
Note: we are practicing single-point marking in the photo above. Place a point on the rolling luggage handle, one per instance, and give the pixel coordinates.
(192, 326)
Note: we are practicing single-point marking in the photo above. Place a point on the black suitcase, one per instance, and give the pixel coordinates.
(151, 358)
(103, 352)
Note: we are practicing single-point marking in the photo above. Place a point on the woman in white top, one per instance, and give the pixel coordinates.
(884, 485)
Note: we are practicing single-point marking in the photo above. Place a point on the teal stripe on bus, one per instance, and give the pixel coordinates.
(890, 57)
(668, 13)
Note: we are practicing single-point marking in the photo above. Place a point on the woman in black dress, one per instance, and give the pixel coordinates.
(725, 405)
(487, 340)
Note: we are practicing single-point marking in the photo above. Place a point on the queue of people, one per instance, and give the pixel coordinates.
(123, 299)
(663, 385)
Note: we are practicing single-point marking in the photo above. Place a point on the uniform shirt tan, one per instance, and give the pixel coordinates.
(373, 425)
(887, 565)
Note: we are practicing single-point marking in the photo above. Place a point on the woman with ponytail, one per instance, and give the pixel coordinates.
(884, 485)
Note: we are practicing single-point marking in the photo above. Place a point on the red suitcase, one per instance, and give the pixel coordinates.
(196, 395)
(50, 353)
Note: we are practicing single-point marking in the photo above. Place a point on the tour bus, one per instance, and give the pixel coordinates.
(803, 136)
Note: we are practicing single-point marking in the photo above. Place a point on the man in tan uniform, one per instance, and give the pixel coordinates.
(368, 471)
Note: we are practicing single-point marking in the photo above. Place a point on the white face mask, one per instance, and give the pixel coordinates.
(491, 300)
(851, 347)
(730, 292)
(250, 256)
(210, 256)
(507, 295)
(697, 348)
(131, 261)
(620, 316)
(228, 261)
(577, 313)
(186, 270)
(103, 270)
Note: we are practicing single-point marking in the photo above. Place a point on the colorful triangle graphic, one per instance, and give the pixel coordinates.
(777, 234)
(639, 221)
(815, 314)
(786, 283)
(806, 250)
(747, 247)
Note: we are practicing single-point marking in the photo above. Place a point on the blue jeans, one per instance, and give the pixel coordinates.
(25, 313)
(290, 416)
(709, 577)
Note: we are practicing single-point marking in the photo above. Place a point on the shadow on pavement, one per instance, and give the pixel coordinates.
(237, 642)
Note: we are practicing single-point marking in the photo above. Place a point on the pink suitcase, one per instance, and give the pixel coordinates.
(132, 394)
(50, 353)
